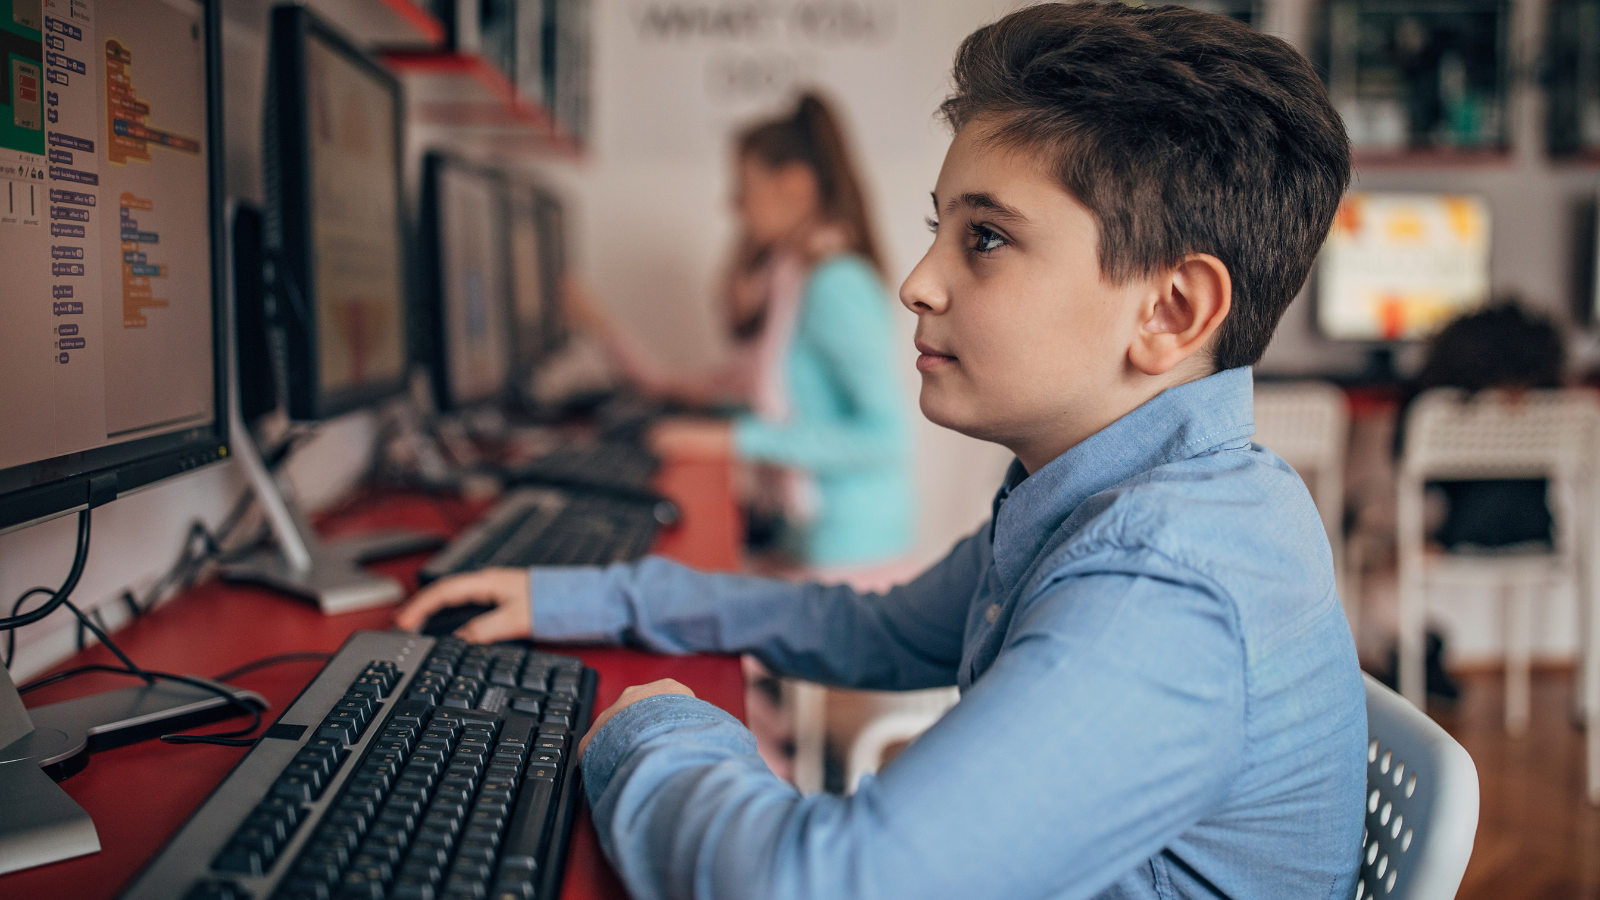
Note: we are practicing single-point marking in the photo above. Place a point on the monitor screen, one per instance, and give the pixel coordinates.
(1398, 266)
(527, 284)
(356, 244)
(553, 264)
(334, 219)
(473, 283)
(109, 223)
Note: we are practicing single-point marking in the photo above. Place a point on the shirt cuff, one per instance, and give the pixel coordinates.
(639, 722)
(576, 603)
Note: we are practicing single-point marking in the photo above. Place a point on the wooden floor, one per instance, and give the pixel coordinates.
(1537, 838)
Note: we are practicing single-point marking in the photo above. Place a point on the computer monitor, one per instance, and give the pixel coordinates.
(553, 263)
(335, 239)
(467, 286)
(1399, 266)
(113, 370)
(334, 269)
(538, 265)
(110, 355)
(529, 290)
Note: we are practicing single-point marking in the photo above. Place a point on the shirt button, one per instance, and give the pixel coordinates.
(992, 614)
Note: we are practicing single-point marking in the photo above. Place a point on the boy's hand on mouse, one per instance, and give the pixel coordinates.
(629, 697)
(504, 589)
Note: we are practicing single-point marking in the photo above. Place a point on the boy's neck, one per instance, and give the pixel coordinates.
(1040, 447)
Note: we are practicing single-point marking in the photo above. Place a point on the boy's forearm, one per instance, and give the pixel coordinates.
(829, 634)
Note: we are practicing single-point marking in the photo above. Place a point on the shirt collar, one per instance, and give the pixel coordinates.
(1210, 414)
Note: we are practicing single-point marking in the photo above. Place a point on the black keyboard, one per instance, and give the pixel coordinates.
(541, 527)
(411, 768)
(599, 466)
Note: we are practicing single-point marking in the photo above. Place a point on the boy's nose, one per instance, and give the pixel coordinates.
(923, 290)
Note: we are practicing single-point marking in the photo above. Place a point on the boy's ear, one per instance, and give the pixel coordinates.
(1181, 315)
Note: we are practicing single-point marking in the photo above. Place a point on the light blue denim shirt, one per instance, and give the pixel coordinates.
(1160, 695)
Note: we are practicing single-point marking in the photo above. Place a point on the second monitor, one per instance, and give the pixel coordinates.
(466, 287)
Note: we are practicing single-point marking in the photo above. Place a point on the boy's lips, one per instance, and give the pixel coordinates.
(931, 358)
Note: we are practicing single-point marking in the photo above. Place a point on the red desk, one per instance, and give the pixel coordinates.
(140, 794)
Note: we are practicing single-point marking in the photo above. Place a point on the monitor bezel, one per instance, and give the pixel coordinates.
(524, 205)
(550, 213)
(433, 337)
(289, 210)
(35, 492)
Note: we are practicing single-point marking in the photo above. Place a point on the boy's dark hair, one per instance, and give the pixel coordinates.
(1504, 345)
(1182, 131)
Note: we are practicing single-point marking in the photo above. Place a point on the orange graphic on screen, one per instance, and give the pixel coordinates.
(128, 136)
(138, 292)
(1348, 218)
(1392, 317)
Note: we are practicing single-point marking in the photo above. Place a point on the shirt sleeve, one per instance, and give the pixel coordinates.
(1111, 722)
(845, 319)
(905, 639)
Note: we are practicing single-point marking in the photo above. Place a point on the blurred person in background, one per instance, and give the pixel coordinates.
(824, 429)
(1503, 346)
(823, 440)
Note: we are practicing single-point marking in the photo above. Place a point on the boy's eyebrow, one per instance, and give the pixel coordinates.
(984, 202)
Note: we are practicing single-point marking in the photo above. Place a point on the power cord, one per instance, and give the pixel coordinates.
(59, 598)
(277, 660)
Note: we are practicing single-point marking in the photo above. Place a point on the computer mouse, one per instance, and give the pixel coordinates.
(447, 620)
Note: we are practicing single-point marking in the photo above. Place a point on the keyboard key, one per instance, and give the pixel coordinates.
(312, 772)
(408, 887)
(339, 729)
(534, 808)
(238, 859)
(297, 888)
(295, 788)
(511, 890)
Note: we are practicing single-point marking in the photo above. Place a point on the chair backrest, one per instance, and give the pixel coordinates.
(1308, 423)
(1451, 435)
(1421, 803)
(1499, 434)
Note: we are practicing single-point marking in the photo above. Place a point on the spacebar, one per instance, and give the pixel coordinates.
(529, 822)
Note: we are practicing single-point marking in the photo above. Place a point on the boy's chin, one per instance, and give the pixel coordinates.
(955, 414)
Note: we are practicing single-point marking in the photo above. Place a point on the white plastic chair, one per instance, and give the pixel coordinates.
(1308, 424)
(914, 713)
(1546, 434)
(1422, 804)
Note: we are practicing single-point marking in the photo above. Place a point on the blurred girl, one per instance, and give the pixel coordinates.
(826, 432)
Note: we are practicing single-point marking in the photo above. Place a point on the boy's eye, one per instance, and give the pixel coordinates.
(932, 223)
(985, 239)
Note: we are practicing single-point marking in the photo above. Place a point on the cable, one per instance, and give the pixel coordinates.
(11, 635)
(224, 738)
(277, 660)
(59, 598)
(79, 559)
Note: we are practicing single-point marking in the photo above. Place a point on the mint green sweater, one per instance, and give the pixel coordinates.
(847, 428)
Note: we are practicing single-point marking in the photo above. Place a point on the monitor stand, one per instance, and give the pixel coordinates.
(39, 823)
(1380, 368)
(327, 573)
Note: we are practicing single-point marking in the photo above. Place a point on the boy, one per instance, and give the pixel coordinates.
(1160, 693)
